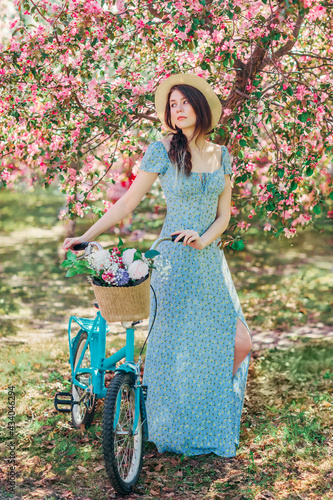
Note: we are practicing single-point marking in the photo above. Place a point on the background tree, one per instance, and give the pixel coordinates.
(78, 86)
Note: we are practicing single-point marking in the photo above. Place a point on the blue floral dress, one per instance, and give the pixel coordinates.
(194, 403)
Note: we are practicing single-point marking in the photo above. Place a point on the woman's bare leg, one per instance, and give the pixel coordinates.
(243, 345)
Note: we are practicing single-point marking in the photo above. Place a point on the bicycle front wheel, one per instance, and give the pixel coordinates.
(123, 451)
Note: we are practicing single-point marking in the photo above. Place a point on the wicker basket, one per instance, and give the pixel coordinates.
(124, 303)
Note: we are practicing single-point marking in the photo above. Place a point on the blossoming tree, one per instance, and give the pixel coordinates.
(79, 79)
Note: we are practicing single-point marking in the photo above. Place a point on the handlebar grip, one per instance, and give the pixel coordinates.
(174, 236)
(81, 246)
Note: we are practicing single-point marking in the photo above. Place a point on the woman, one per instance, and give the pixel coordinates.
(199, 350)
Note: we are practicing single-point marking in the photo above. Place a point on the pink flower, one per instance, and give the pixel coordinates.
(108, 276)
(290, 233)
(138, 269)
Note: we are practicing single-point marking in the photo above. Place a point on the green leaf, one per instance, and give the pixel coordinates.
(303, 117)
(81, 264)
(71, 272)
(137, 255)
(241, 245)
(66, 263)
(238, 245)
(91, 271)
(71, 256)
(242, 142)
(278, 232)
(317, 209)
(204, 65)
(331, 195)
(150, 254)
(309, 171)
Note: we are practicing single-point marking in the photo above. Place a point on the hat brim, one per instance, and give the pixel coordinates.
(196, 81)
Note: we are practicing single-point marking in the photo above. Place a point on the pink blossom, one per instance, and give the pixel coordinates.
(290, 233)
(5, 175)
(33, 149)
(78, 209)
(301, 92)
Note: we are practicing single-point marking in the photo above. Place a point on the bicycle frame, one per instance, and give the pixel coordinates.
(97, 339)
(97, 329)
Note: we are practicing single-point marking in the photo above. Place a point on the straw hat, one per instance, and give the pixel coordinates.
(189, 79)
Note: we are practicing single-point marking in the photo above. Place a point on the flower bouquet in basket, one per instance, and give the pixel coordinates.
(120, 279)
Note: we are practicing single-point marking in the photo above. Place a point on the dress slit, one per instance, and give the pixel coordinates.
(238, 383)
(234, 343)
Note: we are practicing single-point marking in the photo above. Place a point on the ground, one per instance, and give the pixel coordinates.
(286, 448)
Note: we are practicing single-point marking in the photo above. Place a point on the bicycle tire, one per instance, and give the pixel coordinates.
(122, 480)
(82, 414)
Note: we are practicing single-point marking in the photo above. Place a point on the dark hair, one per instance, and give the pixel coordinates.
(179, 152)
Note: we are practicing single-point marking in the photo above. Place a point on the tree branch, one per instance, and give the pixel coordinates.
(246, 72)
(286, 47)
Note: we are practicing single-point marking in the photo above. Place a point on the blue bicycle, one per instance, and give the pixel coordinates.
(125, 425)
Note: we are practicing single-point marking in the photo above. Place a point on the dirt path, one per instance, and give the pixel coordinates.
(261, 340)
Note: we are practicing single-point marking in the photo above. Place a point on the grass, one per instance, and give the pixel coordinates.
(285, 443)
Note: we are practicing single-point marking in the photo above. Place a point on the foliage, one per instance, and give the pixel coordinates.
(80, 78)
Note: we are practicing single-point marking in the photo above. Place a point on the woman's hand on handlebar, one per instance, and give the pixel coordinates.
(70, 242)
(190, 238)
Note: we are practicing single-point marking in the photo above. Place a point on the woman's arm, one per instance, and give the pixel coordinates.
(123, 207)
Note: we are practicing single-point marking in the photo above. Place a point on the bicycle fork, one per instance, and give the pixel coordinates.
(138, 395)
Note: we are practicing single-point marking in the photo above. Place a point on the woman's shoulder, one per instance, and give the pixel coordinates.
(166, 141)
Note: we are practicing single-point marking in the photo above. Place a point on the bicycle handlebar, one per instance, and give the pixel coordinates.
(84, 245)
(81, 246)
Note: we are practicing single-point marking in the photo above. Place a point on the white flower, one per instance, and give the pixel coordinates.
(128, 256)
(99, 260)
(137, 270)
(163, 267)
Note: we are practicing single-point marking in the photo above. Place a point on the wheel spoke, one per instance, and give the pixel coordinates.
(126, 418)
(86, 406)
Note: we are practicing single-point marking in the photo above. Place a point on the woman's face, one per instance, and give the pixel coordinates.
(180, 107)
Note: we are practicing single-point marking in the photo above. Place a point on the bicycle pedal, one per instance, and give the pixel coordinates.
(145, 391)
(59, 400)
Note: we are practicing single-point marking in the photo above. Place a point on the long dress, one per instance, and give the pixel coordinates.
(194, 403)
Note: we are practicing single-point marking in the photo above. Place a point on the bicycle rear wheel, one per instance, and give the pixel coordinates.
(123, 451)
(84, 412)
